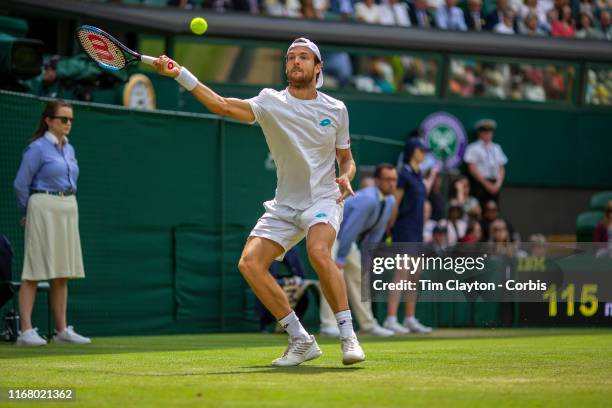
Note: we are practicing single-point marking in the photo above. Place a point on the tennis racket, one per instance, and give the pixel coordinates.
(108, 52)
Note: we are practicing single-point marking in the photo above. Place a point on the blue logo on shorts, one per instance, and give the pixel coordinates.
(325, 122)
(321, 215)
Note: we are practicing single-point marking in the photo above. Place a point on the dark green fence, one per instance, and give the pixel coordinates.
(166, 201)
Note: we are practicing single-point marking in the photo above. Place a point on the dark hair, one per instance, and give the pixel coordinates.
(50, 111)
(381, 167)
(471, 227)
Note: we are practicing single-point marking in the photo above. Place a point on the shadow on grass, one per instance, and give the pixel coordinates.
(302, 369)
(265, 369)
(247, 341)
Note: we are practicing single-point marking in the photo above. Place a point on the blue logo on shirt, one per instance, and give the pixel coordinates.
(321, 215)
(325, 122)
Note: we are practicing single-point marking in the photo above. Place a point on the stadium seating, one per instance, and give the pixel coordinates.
(600, 200)
(585, 225)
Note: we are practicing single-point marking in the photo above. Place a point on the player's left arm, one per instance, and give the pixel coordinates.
(347, 167)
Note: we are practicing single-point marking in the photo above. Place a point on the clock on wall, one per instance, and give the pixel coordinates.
(138, 93)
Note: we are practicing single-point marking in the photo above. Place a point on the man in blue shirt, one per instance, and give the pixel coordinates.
(450, 17)
(365, 219)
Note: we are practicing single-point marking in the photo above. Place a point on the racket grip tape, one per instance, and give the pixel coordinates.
(147, 60)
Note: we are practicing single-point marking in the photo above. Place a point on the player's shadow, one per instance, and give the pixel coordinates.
(288, 370)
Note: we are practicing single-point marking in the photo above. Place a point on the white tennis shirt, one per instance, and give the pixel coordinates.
(302, 136)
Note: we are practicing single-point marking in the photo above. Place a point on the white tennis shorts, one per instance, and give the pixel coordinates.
(287, 226)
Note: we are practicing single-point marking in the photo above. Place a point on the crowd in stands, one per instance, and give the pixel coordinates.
(599, 87)
(511, 81)
(585, 19)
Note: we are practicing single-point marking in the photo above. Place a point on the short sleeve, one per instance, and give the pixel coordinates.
(259, 104)
(343, 139)
(471, 154)
(501, 157)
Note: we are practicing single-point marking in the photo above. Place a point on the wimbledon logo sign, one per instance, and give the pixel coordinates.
(445, 137)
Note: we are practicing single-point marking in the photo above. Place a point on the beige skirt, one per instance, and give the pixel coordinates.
(52, 240)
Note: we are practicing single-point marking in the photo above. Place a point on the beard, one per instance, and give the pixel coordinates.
(301, 82)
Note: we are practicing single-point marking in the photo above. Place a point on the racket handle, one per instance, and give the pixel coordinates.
(147, 60)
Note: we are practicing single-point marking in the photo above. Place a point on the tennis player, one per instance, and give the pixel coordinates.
(306, 131)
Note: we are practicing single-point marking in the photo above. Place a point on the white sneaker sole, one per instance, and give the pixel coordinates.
(57, 341)
(353, 359)
(311, 354)
(30, 344)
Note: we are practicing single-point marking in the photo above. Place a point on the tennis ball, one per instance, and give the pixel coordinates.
(198, 26)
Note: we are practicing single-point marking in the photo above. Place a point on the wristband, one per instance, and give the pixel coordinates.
(186, 79)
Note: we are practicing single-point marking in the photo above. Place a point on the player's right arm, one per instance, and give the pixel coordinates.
(231, 107)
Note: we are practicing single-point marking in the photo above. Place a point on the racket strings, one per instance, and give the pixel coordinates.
(101, 49)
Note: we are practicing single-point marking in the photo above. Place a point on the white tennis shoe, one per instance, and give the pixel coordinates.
(395, 327)
(68, 335)
(30, 337)
(299, 350)
(351, 350)
(415, 326)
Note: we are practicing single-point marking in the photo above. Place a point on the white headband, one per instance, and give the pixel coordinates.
(304, 42)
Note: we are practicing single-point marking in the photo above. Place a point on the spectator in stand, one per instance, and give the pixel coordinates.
(473, 233)
(321, 7)
(490, 214)
(420, 15)
(500, 236)
(532, 7)
(486, 163)
(339, 67)
(533, 88)
(497, 15)
(435, 197)
(604, 24)
(473, 16)
(586, 6)
(438, 245)
(587, 31)
(308, 10)
(282, 8)
(474, 214)
(530, 26)
(344, 8)
(456, 227)
(603, 230)
(450, 17)
(394, 12)
(462, 195)
(368, 11)
(506, 26)
(564, 26)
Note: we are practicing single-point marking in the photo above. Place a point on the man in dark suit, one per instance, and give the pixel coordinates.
(474, 17)
(419, 15)
(497, 15)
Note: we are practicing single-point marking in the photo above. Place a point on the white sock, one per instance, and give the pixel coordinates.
(291, 324)
(391, 319)
(345, 323)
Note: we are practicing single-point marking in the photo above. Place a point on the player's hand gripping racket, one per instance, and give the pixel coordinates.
(107, 51)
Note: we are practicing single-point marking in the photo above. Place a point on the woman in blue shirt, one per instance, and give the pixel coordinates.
(408, 222)
(45, 186)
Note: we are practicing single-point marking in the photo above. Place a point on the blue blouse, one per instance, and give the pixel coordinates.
(45, 167)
